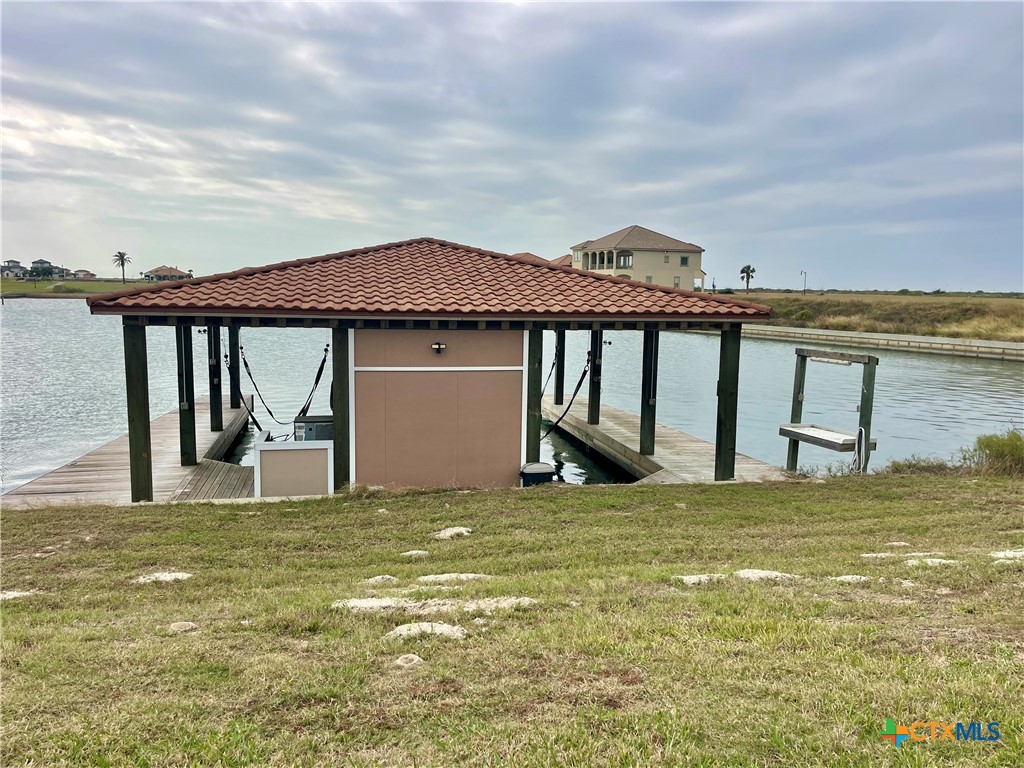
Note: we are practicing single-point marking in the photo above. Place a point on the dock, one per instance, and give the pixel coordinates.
(102, 476)
(678, 457)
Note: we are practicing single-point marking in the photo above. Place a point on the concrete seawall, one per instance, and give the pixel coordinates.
(937, 345)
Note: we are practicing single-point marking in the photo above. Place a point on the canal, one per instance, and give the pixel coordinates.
(62, 390)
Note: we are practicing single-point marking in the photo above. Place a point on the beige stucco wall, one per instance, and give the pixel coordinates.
(652, 264)
(440, 427)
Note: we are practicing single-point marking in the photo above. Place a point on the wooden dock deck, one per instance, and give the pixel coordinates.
(102, 476)
(678, 457)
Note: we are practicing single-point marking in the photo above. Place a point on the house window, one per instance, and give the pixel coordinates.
(576, 257)
(649, 279)
(684, 261)
(675, 282)
(666, 258)
(625, 261)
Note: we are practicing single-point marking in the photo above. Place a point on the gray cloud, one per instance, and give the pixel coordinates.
(874, 145)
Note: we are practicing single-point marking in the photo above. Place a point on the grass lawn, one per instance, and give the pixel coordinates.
(615, 665)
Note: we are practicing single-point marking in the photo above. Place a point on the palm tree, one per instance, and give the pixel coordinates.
(122, 260)
(747, 273)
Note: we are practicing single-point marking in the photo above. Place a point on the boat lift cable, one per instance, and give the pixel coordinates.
(305, 406)
(579, 385)
(550, 371)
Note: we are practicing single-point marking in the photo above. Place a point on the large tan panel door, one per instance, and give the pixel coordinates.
(434, 429)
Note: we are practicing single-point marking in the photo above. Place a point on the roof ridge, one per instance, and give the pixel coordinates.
(515, 258)
(247, 271)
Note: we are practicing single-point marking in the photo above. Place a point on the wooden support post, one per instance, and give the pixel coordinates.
(797, 411)
(594, 396)
(534, 353)
(649, 392)
(136, 376)
(186, 396)
(559, 367)
(235, 374)
(339, 406)
(728, 399)
(867, 404)
(216, 396)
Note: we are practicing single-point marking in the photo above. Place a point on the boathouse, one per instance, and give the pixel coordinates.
(435, 353)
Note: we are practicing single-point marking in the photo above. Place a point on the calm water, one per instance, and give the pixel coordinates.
(62, 390)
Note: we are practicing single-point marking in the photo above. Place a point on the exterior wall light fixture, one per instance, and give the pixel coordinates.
(438, 347)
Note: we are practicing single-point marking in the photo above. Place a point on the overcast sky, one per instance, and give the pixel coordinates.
(872, 145)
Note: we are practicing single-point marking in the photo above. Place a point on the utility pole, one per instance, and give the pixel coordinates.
(805, 280)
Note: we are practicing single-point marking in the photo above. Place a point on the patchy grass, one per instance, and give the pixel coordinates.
(616, 665)
(964, 316)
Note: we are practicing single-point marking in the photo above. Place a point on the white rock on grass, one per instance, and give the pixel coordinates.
(1003, 561)
(448, 578)
(373, 604)
(183, 626)
(756, 574)
(698, 578)
(932, 561)
(896, 544)
(850, 579)
(163, 576)
(1009, 554)
(407, 660)
(415, 553)
(384, 579)
(452, 533)
(14, 594)
(877, 555)
(406, 631)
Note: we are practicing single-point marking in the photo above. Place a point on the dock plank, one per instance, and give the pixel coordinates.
(102, 476)
(678, 457)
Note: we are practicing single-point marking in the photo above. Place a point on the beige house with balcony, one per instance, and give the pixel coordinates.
(641, 254)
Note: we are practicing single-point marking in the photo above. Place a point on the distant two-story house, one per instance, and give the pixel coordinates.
(57, 273)
(641, 254)
(163, 273)
(12, 268)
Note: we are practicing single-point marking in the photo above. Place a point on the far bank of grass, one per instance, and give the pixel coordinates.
(962, 316)
(617, 664)
(63, 288)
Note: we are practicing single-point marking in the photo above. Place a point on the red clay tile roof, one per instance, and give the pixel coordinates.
(422, 278)
(562, 261)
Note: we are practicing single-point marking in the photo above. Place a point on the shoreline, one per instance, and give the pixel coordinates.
(935, 345)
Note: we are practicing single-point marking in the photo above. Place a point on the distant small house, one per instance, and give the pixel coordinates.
(12, 268)
(84, 274)
(162, 274)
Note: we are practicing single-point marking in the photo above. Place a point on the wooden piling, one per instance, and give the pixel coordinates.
(136, 374)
